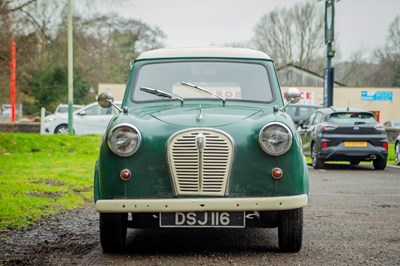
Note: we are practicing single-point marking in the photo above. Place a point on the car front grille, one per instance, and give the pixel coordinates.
(200, 161)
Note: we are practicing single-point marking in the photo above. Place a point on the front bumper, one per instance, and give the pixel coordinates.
(202, 204)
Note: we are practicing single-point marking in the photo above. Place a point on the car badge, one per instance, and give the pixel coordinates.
(200, 142)
(356, 128)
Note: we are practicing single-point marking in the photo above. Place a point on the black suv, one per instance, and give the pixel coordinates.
(300, 112)
(339, 134)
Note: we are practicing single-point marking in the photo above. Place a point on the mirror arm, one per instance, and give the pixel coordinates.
(286, 105)
(115, 106)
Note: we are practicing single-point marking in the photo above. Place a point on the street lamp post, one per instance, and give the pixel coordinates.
(330, 53)
(70, 71)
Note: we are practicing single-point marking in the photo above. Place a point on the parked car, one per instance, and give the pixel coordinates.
(339, 134)
(301, 112)
(397, 149)
(90, 119)
(392, 124)
(63, 108)
(203, 141)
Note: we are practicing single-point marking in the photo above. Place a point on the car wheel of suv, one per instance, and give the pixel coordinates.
(290, 230)
(397, 152)
(379, 164)
(113, 228)
(61, 129)
(316, 162)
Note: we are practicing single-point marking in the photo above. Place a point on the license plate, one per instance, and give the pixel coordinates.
(355, 144)
(202, 219)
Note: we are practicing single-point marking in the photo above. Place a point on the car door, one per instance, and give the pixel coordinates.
(92, 120)
(307, 131)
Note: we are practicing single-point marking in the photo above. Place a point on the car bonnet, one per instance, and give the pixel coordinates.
(204, 116)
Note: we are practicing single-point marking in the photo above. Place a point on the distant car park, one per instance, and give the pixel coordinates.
(301, 112)
(90, 119)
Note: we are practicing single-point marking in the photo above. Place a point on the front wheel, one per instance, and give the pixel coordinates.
(379, 164)
(61, 129)
(397, 153)
(113, 228)
(290, 230)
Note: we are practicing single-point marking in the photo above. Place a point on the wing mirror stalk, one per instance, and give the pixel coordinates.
(106, 100)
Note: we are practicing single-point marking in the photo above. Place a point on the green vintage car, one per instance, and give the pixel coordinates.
(202, 140)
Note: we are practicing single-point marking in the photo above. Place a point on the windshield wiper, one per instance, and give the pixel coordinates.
(204, 90)
(161, 93)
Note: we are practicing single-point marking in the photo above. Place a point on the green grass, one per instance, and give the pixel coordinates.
(43, 175)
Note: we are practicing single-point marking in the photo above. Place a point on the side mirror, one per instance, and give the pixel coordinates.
(105, 99)
(82, 113)
(293, 95)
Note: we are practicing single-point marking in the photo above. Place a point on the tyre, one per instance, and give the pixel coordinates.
(61, 129)
(379, 164)
(397, 152)
(113, 228)
(317, 163)
(290, 230)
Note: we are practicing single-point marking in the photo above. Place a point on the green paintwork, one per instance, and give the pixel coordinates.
(157, 121)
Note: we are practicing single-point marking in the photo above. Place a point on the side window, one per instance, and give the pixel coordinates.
(318, 118)
(97, 110)
(310, 119)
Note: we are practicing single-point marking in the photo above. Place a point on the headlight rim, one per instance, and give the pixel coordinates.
(114, 129)
(275, 153)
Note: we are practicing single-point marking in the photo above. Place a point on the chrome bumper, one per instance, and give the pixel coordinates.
(202, 204)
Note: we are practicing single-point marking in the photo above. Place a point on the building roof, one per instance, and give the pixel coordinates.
(293, 75)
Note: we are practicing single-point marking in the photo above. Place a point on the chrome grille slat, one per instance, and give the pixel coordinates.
(200, 168)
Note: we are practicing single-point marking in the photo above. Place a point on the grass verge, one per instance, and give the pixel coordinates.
(43, 175)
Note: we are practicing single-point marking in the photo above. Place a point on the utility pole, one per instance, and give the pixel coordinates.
(330, 53)
(70, 71)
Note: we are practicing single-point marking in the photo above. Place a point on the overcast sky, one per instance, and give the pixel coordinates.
(188, 23)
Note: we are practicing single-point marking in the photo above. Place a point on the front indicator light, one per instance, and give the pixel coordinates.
(125, 174)
(275, 138)
(277, 173)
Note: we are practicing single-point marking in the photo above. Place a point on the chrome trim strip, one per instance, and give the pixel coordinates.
(202, 204)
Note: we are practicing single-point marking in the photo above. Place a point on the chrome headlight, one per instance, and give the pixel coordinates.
(275, 138)
(124, 140)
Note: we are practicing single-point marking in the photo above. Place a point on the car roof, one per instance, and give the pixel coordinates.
(205, 52)
(331, 110)
(305, 105)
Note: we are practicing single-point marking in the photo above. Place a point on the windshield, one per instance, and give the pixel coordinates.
(229, 80)
(352, 118)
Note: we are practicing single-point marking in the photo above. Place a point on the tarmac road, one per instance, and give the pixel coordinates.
(353, 219)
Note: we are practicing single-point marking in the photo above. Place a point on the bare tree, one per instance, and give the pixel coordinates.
(292, 35)
(388, 58)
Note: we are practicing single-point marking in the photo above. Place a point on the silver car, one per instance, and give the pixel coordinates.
(397, 149)
(90, 119)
